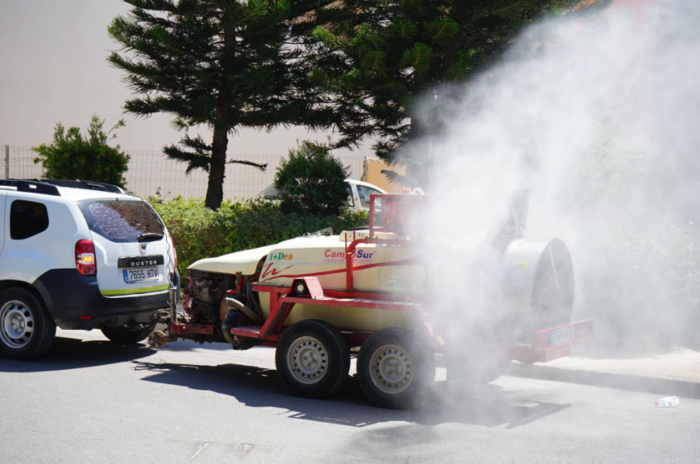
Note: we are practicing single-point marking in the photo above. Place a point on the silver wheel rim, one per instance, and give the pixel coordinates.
(308, 360)
(16, 324)
(391, 369)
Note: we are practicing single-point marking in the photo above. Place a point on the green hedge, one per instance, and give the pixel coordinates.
(199, 232)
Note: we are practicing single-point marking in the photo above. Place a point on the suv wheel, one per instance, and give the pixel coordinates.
(26, 329)
(125, 335)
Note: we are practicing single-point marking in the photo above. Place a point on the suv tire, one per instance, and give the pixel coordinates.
(26, 329)
(125, 335)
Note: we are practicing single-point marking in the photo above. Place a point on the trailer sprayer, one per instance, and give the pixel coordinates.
(376, 294)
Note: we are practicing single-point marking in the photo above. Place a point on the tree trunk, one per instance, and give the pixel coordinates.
(459, 8)
(217, 170)
(419, 166)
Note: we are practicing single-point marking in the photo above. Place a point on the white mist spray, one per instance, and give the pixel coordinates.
(597, 118)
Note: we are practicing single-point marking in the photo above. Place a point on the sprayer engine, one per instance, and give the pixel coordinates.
(217, 302)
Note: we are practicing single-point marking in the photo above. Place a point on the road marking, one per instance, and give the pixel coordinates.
(200, 451)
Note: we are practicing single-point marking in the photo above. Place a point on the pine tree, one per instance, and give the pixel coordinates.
(223, 64)
(377, 65)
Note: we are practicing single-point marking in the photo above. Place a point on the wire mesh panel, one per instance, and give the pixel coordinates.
(21, 163)
(5, 154)
(150, 172)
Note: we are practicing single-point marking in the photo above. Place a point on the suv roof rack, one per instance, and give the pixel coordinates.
(33, 186)
(82, 184)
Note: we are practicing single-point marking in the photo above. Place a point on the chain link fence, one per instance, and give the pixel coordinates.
(150, 172)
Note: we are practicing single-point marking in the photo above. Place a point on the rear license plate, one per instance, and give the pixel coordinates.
(145, 274)
(563, 335)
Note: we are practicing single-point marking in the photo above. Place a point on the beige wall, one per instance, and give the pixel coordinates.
(373, 174)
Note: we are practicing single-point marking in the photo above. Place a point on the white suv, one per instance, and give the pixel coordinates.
(79, 255)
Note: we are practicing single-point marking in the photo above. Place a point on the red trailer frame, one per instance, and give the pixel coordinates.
(545, 345)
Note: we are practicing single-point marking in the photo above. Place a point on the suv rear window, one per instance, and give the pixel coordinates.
(120, 221)
(27, 219)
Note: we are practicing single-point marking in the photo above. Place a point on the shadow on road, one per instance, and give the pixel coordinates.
(256, 387)
(71, 353)
(489, 406)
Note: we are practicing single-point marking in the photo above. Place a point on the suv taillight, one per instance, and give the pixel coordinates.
(85, 258)
(172, 244)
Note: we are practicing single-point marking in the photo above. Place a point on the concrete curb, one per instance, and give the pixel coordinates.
(658, 385)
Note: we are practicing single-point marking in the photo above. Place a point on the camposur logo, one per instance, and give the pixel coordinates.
(339, 256)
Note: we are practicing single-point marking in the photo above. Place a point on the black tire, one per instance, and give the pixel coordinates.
(395, 369)
(125, 335)
(327, 354)
(26, 328)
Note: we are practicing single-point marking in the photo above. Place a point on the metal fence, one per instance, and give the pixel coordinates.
(150, 172)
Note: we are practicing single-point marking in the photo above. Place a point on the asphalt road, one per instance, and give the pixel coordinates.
(91, 401)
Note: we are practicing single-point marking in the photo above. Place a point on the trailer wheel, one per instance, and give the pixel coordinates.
(312, 359)
(395, 369)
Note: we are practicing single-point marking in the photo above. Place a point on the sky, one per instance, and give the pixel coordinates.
(53, 68)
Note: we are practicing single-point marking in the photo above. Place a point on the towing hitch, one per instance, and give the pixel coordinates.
(157, 338)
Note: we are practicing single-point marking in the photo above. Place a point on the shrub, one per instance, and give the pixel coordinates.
(312, 181)
(199, 232)
(72, 156)
(636, 275)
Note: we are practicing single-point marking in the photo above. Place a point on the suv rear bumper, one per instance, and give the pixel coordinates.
(69, 295)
